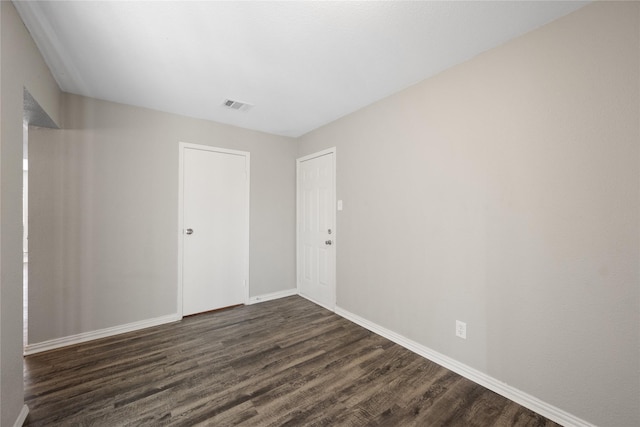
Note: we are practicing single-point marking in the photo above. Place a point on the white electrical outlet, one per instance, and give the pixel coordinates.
(461, 329)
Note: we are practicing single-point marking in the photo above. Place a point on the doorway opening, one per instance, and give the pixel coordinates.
(25, 232)
(32, 116)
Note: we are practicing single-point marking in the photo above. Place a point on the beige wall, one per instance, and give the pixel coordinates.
(21, 66)
(104, 215)
(505, 193)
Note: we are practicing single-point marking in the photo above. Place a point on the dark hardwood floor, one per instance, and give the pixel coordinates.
(280, 363)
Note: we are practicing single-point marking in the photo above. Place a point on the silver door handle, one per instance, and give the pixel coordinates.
(189, 231)
(328, 242)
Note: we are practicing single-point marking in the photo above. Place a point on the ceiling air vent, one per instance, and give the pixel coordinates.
(236, 105)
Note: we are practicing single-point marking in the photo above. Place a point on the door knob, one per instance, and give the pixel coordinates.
(189, 231)
(328, 242)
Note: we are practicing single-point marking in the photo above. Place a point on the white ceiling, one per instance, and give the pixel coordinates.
(301, 64)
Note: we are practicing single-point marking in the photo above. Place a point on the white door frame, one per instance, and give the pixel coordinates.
(182, 146)
(333, 151)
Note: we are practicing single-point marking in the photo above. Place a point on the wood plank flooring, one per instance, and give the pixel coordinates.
(280, 363)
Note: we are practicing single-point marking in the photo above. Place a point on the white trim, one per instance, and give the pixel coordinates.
(180, 225)
(22, 416)
(181, 147)
(551, 412)
(272, 296)
(333, 151)
(101, 333)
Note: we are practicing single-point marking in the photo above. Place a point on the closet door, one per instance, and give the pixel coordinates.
(215, 228)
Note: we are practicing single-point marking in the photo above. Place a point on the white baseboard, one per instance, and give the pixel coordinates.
(272, 296)
(22, 416)
(101, 333)
(551, 412)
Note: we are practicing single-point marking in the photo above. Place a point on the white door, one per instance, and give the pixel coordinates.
(316, 228)
(215, 227)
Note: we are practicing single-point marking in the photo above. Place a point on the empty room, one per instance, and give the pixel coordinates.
(320, 213)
